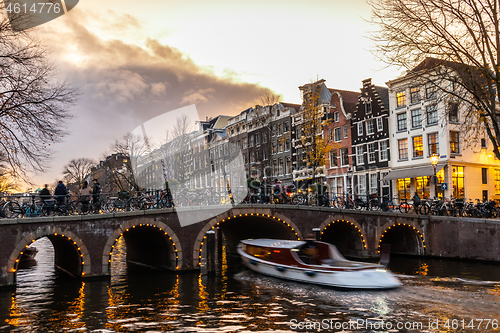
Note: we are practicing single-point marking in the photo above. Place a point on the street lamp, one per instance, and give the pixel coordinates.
(434, 162)
(351, 185)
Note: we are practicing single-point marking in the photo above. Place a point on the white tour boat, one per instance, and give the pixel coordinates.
(313, 262)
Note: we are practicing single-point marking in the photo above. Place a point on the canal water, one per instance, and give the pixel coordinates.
(437, 296)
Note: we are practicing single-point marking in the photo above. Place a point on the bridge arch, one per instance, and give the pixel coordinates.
(144, 241)
(404, 238)
(346, 235)
(282, 226)
(71, 254)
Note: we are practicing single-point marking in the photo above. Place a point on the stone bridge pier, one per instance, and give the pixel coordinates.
(84, 245)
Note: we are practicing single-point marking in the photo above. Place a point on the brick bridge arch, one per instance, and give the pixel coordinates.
(161, 233)
(351, 231)
(405, 238)
(240, 214)
(70, 252)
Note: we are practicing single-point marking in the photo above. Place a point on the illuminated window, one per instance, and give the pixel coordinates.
(422, 185)
(404, 188)
(454, 142)
(457, 177)
(497, 181)
(418, 146)
(401, 99)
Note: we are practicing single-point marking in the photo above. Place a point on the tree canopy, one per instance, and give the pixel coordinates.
(33, 103)
(455, 41)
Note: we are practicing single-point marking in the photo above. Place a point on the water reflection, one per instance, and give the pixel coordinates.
(137, 299)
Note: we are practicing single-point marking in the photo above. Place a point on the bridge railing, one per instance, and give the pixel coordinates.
(32, 205)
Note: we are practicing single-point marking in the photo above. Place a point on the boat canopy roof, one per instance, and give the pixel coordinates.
(278, 243)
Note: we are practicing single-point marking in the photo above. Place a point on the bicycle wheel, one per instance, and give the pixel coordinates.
(337, 202)
(12, 209)
(108, 206)
(424, 209)
(406, 208)
(375, 205)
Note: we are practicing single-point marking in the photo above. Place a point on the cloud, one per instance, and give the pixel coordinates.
(125, 83)
(197, 97)
(158, 88)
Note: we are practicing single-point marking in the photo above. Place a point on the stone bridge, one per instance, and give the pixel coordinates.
(84, 244)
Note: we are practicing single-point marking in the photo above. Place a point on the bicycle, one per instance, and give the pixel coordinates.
(336, 201)
(406, 207)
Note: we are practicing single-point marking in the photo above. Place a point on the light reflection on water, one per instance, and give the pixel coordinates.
(238, 300)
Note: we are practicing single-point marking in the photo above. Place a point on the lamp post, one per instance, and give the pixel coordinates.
(434, 162)
(349, 176)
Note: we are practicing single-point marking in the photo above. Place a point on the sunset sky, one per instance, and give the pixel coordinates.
(136, 60)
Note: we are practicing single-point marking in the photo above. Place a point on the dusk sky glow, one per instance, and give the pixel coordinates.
(136, 60)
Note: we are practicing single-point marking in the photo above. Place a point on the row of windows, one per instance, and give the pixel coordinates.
(344, 157)
(432, 144)
(337, 133)
(370, 126)
(415, 95)
(281, 146)
(372, 180)
(279, 129)
(372, 149)
(255, 139)
(431, 116)
(282, 166)
(416, 118)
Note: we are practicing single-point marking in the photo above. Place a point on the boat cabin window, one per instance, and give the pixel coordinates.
(257, 251)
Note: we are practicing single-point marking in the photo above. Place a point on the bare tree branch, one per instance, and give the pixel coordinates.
(33, 104)
(77, 169)
(451, 45)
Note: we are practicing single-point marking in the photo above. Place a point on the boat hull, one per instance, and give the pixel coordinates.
(375, 278)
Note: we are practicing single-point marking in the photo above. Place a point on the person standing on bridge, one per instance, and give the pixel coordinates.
(96, 190)
(46, 196)
(60, 192)
(85, 196)
(264, 191)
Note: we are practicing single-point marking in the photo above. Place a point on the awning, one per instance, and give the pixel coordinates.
(427, 170)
